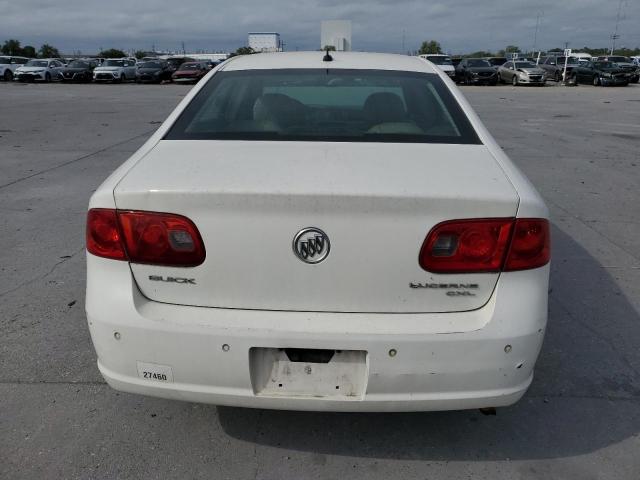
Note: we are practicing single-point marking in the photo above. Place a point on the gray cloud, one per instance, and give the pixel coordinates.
(378, 25)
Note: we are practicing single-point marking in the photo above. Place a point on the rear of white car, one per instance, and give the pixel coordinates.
(443, 62)
(313, 235)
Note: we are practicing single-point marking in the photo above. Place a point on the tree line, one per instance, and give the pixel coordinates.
(434, 47)
(13, 47)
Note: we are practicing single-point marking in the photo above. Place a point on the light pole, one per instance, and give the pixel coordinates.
(535, 35)
(615, 35)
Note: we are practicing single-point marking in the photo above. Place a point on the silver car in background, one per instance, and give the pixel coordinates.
(40, 70)
(115, 70)
(443, 62)
(521, 73)
(8, 65)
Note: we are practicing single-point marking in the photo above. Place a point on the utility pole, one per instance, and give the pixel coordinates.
(535, 35)
(403, 35)
(184, 51)
(615, 35)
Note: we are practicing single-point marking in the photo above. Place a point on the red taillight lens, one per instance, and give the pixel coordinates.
(147, 237)
(486, 245)
(103, 234)
(465, 246)
(530, 246)
(161, 239)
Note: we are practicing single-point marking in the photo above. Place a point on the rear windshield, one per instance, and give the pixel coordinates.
(324, 105)
(440, 60)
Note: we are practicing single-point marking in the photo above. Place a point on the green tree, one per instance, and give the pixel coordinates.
(480, 54)
(140, 54)
(48, 51)
(29, 51)
(430, 47)
(244, 51)
(112, 53)
(512, 49)
(11, 47)
(331, 48)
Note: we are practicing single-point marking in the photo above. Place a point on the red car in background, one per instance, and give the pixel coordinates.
(190, 72)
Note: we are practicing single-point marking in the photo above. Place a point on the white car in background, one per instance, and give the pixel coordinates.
(41, 70)
(8, 64)
(314, 234)
(115, 70)
(443, 62)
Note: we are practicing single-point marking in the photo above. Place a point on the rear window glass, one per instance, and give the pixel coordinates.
(324, 105)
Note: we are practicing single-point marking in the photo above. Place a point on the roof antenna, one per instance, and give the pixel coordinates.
(327, 56)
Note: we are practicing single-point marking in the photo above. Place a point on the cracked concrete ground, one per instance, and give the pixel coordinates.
(580, 419)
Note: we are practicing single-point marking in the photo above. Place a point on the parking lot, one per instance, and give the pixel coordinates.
(58, 419)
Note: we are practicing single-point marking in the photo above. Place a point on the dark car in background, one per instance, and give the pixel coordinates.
(154, 71)
(496, 61)
(602, 73)
(175, 62)
(626, 64)
(474, 71)
(190, 72)
(78, 71)
(554, 66)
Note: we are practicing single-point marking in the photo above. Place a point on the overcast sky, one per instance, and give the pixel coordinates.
(378, 25)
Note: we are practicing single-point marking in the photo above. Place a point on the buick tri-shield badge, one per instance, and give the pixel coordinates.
(311, 245)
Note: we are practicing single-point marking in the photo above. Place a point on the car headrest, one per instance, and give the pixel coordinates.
(279, 108)
(384, 107)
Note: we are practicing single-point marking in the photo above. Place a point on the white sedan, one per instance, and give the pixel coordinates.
(320, 232)
(44, 70)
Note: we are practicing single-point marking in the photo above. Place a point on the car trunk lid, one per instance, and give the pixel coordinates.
(376, 202)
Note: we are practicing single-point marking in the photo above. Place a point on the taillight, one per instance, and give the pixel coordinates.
(530, 245)
(147, 237)
(486, 245)
(103, 234)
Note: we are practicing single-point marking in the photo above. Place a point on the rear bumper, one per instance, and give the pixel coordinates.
(443, 362)
(484, 80)
(532, 81)
(615, 80)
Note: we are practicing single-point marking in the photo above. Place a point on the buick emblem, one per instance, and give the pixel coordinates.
(311, 245)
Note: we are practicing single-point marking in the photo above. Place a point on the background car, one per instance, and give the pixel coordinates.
(9, 64)
(625, 63)
(115, 70)
(521, 73)
(175, 62)
(190, 72)
(473, 71)
(602, 73)
(45, 70)
(78, 71)
(443, 62)
(153, 71)
(554, 66)
(496, 61)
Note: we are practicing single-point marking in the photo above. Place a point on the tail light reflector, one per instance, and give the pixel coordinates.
(145, 237)
(103, 234)
(530, 245)
(486, 245)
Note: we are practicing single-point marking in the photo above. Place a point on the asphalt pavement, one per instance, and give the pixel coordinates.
(58, 419)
